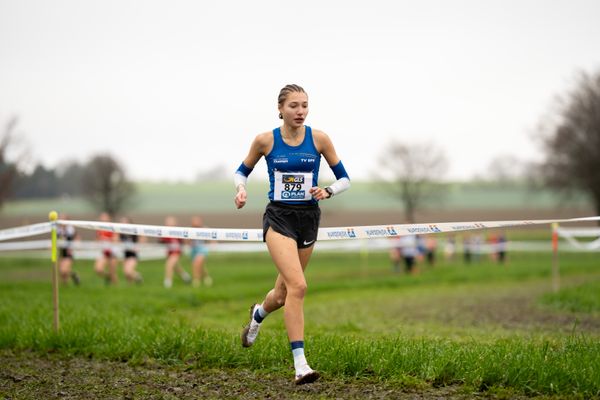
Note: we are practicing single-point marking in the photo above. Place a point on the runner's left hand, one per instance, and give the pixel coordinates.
(318, 193)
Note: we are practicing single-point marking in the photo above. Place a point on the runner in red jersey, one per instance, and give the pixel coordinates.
(174, 249)
(107, 256)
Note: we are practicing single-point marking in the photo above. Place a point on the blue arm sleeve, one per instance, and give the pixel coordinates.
(243, 170)
(339, 171)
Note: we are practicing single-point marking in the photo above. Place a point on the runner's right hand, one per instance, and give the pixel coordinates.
(240, 198)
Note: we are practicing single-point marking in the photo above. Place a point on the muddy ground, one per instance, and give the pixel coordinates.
(33, 376)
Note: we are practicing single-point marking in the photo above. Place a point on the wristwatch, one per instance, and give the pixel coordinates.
(328, 190)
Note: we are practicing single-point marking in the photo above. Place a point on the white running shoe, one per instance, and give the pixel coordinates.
(306, 375)
(185, 277)
(250, 331)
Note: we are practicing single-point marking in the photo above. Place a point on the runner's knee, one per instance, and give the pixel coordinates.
(297, 289)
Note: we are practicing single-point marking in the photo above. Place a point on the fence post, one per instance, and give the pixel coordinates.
(555, 266)
(53, 216)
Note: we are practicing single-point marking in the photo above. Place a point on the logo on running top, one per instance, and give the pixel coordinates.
(293, 179)
(293, 195)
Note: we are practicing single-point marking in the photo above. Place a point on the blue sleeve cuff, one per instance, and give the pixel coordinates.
(243, 170)
(339, 171)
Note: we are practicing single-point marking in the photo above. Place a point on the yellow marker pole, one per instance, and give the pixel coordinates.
(53, 216)
(555, 268)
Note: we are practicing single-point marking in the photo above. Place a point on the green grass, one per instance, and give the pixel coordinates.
(450, 325)
(584, 298)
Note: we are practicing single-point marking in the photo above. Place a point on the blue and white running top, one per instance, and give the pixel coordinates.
(293, 170)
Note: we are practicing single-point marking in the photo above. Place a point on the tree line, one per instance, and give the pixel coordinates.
(43, 182)
(101, 180)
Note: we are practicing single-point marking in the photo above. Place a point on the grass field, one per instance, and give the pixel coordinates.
(450, 331)
(210, 197)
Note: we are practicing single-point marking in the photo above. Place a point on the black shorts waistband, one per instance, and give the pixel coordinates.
(294, 206)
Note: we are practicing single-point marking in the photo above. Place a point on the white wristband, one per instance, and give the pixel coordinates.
(239, 179)
(340, 185)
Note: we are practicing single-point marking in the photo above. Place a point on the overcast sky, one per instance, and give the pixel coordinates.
(174, 88)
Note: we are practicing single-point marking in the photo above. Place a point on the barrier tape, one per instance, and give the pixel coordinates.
(579, 231)
(570, 234)
(338, 233)
(23, 231)
(148, 251)
(256, 235)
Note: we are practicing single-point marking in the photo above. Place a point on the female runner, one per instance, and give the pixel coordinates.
(291, 219)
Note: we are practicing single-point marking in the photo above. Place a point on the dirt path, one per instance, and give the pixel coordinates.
(31, 376)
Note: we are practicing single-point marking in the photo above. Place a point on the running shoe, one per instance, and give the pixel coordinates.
(207, 281)
(250, 331)
(307, 376)
(185, 277)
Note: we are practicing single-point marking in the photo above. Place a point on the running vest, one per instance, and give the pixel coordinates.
(293, 170)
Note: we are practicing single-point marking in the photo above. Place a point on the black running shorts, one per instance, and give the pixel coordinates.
(66, 253)
(299, 222)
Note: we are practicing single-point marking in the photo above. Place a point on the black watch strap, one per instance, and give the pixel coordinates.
(328, 190)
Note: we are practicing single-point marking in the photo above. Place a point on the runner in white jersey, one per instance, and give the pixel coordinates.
(67, 235)
(291, 220)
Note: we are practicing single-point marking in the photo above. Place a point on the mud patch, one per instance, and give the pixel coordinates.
(29, 375)
(515, 309)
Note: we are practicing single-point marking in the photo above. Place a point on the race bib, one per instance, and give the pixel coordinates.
(292, 186)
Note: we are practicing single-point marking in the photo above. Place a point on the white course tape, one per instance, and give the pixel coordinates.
(579, 232)
(570, 234)
(221, 234)
(147, 251)
(28, 245)
(378, 231)
(23, 231)
(339, 233)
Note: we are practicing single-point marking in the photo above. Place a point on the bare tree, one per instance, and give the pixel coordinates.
(9, 166)
(105, 185)
(411, 173)
(572, 141)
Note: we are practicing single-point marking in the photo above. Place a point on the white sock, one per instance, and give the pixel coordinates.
(262, 313)
(300, 363)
